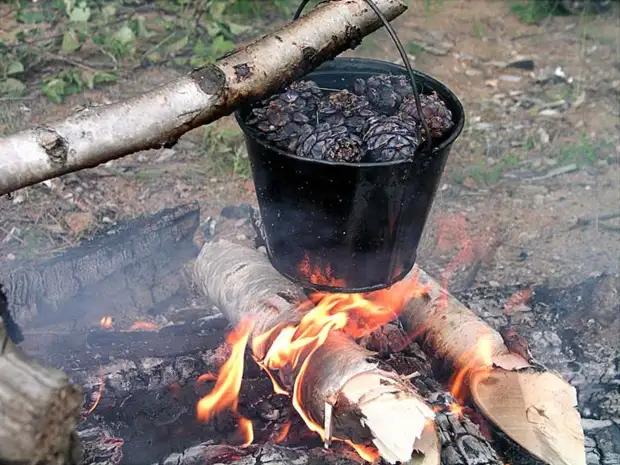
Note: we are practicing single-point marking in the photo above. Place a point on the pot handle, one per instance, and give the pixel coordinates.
(403, 55)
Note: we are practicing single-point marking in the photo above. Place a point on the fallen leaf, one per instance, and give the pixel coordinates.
(78, 221)
(470, 183)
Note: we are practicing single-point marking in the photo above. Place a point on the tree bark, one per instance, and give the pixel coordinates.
(159, 117)
(533, 406)
(39, 410)
(339, 375)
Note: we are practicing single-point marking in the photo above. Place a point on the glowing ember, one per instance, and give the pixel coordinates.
(97, 395)
(143, 326)
(206, 377)
(456, 410)
(288, 348)
(106, 322)
(517, 300)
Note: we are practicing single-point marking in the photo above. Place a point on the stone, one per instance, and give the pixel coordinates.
(236, 212)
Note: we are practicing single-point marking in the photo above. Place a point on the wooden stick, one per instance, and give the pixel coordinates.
(159, 117)
(534, 407)
(39, 410)
(368, 404)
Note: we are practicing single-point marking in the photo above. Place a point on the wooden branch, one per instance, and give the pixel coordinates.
(370, 405)
(39, 410)
(159, 117)
(128, 269)
(536, 408)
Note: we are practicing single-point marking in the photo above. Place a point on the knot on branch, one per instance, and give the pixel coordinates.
(56, 147)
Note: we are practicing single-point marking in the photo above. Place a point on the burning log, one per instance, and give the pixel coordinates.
(159, 117)
(39, 410)
(337, 387)
(533, 406)
(133, 267)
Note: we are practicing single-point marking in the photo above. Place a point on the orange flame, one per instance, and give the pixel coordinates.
(98, 395)
(370, 454)
(475, 362)
(281, 436)
(143, 326)
(106, 322)
(225, 394)
(318, 276)
(288, 348)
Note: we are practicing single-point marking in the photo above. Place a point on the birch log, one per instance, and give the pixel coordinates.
(39, 410)
(535, 407)
(368, 404)
(159, 117)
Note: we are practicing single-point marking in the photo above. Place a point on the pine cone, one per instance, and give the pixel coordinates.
(389, 138)
(345, 108)
(334, 143)
(435, 111)
(283, 118)
(384, 92)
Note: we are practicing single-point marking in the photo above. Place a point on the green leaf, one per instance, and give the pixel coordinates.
(154, 57)
(177, 45)
(15, 67)
(11, 87)
(80, 14)
(70, 41)
(30, 17)
(101, 77)
(108, 11)
(199, 62)
(221, 45)
(237, 29)
(55, 90)
(201, 49)
(217, 10)
(125, 35)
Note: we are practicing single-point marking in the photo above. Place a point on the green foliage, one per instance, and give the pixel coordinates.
(585, 151)
(65, 46)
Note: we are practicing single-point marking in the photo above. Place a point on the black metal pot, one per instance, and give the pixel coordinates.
(347, 227)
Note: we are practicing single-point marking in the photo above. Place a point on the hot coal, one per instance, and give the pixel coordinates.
(377, 122)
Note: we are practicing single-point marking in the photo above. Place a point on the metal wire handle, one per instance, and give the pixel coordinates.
(403, 55)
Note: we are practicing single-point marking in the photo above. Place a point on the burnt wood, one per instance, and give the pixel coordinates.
(128, 269)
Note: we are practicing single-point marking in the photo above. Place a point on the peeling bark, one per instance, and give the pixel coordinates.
(159, 117)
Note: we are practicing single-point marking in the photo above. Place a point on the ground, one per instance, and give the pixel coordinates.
(529, 194)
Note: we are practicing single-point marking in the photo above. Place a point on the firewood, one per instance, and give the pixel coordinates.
(533, 406)
(368, 404)
(159, 117)
(39, 410)
(131, 268)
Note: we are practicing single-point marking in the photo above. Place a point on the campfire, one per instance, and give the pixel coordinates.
(375, 377)
(323, 342)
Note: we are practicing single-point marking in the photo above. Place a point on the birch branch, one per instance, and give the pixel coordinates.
(159, 117)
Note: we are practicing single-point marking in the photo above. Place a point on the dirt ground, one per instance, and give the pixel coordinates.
(530, 192)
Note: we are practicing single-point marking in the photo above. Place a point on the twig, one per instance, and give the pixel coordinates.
(585, 221)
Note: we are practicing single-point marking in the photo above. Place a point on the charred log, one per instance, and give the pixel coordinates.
(131, 268)
(39, 410)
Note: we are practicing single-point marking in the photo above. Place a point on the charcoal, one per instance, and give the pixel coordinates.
(390, 138)
(435, 112)
(385, 93)
(333, 143)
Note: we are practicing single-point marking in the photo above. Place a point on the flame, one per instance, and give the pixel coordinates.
(281, 436)
(206, 377)
(106, 322)
(477, 361)
(98, 395)
(143, 326)
(288, 349)
(370, 454)
(225, 394)
(318, 276)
